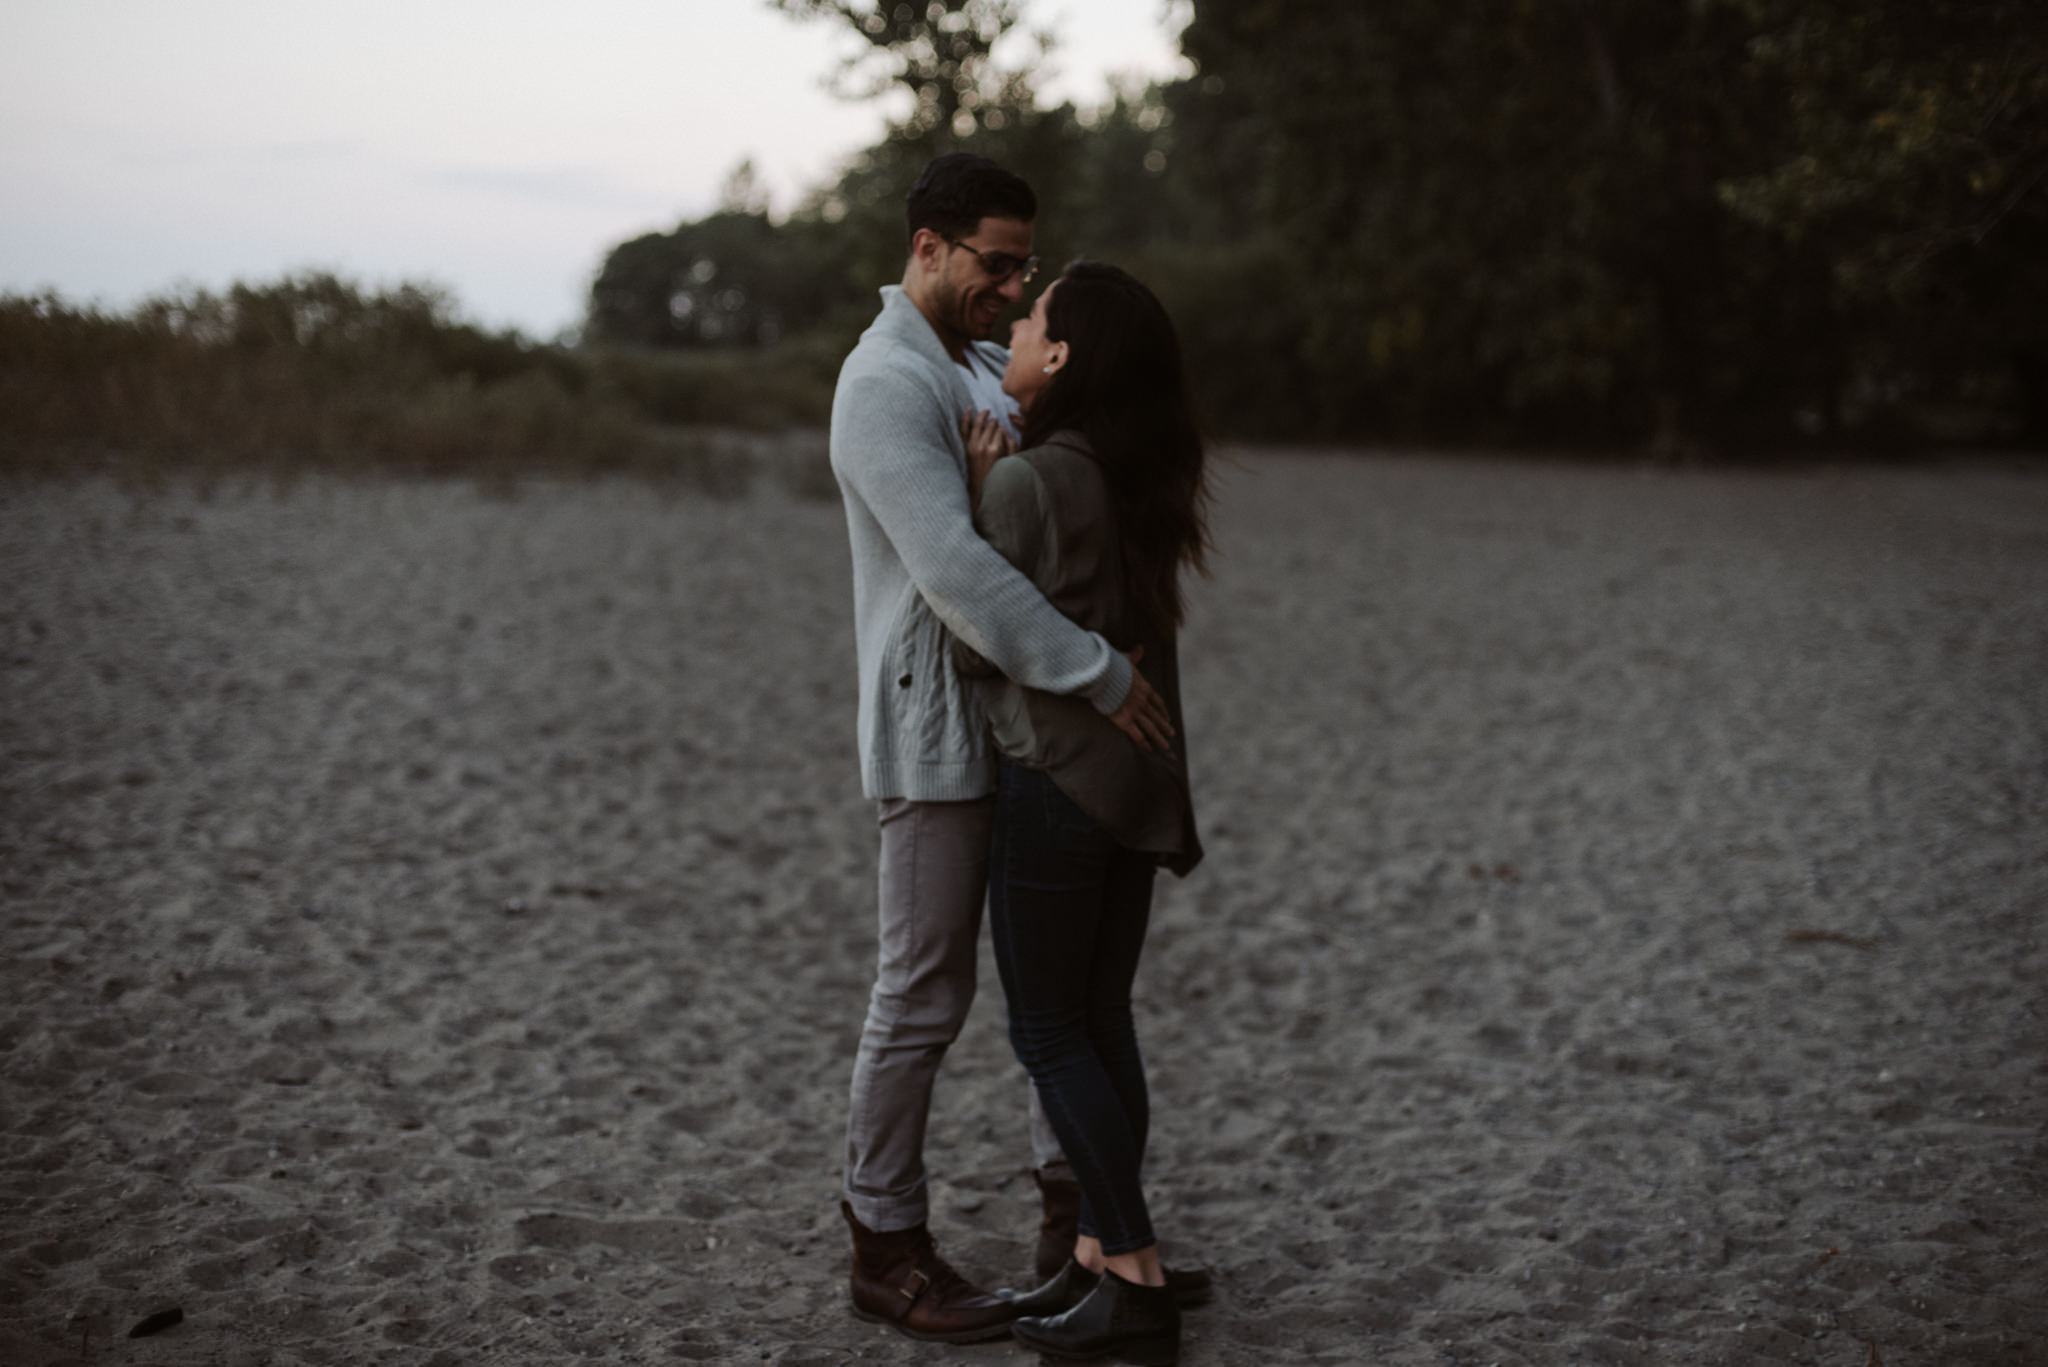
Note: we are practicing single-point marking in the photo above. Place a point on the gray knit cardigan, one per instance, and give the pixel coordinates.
(920, 569)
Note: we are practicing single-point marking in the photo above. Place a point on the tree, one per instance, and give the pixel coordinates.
(1669, 224)
(941, 52)
(743, 192)
(732, 279)
(1665, 220)
(1509, 208)
(736, 278)
(1909, 167)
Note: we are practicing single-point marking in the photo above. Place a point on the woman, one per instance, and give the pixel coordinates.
(1101, 508)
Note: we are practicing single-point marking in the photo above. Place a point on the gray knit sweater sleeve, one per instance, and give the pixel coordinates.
(891, 451)
(1011, 517)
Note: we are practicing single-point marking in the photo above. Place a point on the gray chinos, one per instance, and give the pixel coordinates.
(933, 885)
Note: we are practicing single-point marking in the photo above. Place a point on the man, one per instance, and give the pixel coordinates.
(919, 571)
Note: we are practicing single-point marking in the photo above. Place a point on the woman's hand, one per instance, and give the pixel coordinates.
(987, 443)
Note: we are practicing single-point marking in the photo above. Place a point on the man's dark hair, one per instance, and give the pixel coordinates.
(957, 191)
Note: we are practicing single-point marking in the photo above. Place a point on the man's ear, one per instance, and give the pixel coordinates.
(925, 248)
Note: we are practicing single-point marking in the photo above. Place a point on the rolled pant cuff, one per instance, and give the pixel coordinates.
(886, 1214)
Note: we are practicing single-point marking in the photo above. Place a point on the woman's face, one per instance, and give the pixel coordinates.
(1033, 359)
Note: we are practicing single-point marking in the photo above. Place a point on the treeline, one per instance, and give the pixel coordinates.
(1721, 225)
(1733, 227)
(313, 370)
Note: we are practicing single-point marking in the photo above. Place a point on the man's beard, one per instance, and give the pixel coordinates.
(957, 305)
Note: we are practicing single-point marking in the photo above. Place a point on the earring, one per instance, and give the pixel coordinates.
(1049, 370)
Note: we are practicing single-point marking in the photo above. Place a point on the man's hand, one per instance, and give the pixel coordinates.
(987, 443)
(1143, 715)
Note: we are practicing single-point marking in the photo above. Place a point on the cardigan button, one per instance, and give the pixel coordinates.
(903, 682)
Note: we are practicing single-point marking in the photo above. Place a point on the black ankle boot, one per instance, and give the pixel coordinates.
(1067, 1289)
(1139, 1324)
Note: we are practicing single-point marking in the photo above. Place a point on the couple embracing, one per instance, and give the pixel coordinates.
(1016, 598)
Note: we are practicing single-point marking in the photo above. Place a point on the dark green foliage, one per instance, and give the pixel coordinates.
(1508, 208)
(731, 280)
(940, 52)
(737, 281)
(1677, 221)
(1905, 173)
(789, 384)
(1691, 224)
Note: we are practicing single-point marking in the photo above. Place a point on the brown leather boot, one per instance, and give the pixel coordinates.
(900, 1280)
(1060, 1223)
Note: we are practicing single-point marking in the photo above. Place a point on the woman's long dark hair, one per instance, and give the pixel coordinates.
(1124, 388)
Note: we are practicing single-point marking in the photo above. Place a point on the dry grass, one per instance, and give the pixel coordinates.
(314, 373)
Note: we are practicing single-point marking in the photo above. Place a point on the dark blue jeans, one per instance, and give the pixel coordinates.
(1067, 911)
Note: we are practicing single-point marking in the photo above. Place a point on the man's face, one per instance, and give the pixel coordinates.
(967, 297)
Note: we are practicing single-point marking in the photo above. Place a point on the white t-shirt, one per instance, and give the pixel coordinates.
(984, 371)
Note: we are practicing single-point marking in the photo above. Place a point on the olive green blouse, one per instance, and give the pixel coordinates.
(1048, 511)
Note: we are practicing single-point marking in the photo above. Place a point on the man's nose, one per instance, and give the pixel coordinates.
(1013, 288)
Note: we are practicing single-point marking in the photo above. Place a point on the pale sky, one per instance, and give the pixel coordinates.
(494, 147)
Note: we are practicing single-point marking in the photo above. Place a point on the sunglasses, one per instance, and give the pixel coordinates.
(999, 265)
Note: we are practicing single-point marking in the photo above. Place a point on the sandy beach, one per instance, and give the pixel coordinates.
(437, 921)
